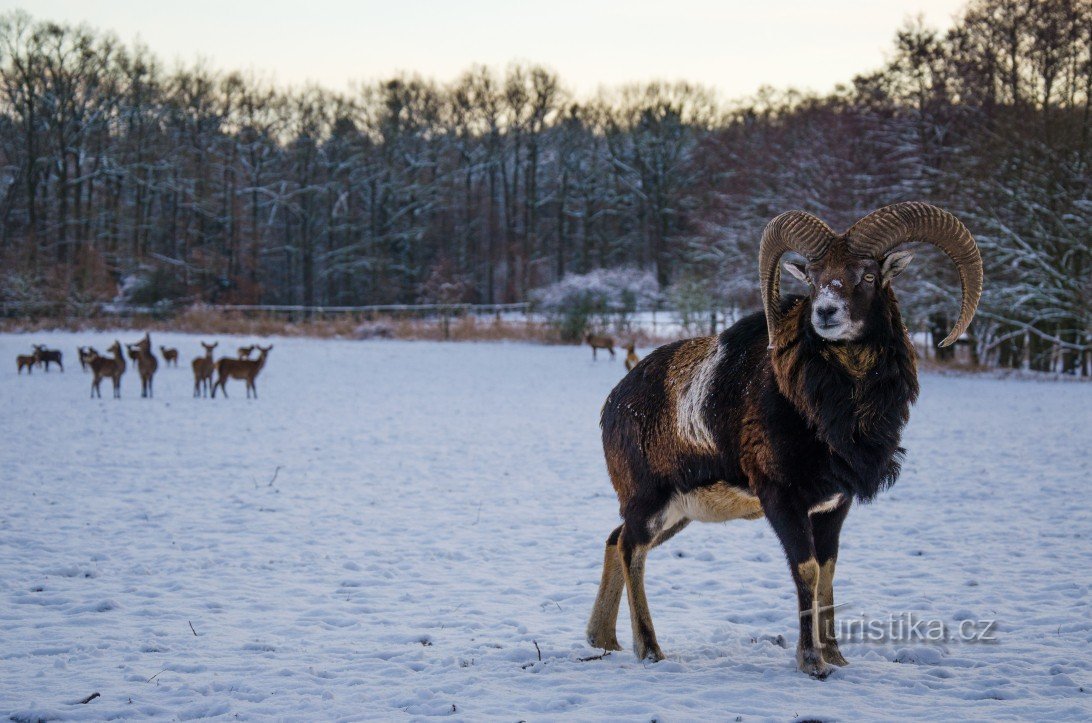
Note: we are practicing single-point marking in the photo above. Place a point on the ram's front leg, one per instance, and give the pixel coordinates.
(794, 530)
(826, 529)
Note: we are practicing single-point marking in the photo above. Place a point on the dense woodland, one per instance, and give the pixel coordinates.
(119, 175)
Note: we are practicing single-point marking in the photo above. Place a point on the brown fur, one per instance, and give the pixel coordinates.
(146, 364)
(246, 351)
(203, 367)
(244, 369)
(600, 342)
(26, 360)
(170, 355)
(103, 367)
(631, 357)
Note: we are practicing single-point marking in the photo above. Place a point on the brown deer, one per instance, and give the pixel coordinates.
(146, 364)
(28, 361)
(240, 369)
(133, 352)
(47, 356)
(86, 354)
(596, 341)
(203, 366)
(104, 366)
(170, 356)
(246, 351)
(631, 356)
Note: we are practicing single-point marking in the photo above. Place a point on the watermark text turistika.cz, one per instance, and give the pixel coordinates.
(909, 627)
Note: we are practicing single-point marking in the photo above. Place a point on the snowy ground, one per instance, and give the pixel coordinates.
(441, 508)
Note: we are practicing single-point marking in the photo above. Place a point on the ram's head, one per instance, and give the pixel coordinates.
(846, 272)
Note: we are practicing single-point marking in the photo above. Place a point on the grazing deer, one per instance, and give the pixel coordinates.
(146, 364)
(203, 366)
(240, 369)
(170, 356)
(631, 356)
(599, 342)
(86, 354)
(104, 366)
(246, 351)
(28, 361)
(45, 356)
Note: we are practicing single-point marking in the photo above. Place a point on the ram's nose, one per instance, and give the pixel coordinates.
(826, 313)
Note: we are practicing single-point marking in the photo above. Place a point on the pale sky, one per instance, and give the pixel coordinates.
(734, 46)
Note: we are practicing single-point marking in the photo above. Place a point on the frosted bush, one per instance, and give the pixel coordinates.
(603, 297)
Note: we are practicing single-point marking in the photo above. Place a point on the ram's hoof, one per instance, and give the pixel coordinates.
(651, 654)
(812, 663)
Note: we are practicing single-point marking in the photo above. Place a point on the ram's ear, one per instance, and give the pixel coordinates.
(797, 270)
(894, 264)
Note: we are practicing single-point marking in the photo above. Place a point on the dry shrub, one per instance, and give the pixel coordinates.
(200, 319)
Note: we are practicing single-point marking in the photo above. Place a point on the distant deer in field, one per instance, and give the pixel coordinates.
(240, 369)
(631, 356)
(133, 352)
(596, 342)
(246, 351)
(170, 356)
(104, 366)
(27, 360)
(86, 354)
(45, 356)
(203, 366)
(146, 364)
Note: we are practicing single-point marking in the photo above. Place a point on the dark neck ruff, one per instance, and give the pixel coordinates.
(856, 397)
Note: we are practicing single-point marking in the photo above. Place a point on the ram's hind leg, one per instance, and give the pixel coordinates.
(604, 618)
(633, 553)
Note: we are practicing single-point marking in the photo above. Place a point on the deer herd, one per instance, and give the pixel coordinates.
(598, 341)
(112, 366)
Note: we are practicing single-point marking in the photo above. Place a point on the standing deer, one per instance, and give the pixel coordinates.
(203, 367)
(28, 361)
(86, 354)
(45, 356)
(170, 356)
(146, 364)
(246, 351)
(631, 356)
(240, 369)
(104, 366)
(599, 342)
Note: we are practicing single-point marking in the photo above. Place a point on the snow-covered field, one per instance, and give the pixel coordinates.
(416, 529)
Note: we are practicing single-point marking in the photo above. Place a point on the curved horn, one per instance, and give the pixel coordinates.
(884, 229)
(797, 231)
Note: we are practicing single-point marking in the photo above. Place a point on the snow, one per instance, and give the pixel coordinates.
(393, 526)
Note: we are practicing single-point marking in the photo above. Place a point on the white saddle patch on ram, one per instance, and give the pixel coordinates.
(690, 404)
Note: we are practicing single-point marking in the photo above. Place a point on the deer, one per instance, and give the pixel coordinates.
(146, 364)
(631, 356)
(203, 366)
(170, 356)
(133, 352)
(45, 356)
(86, 354)
(246, 351)
(240, 369)
(27, 361)
(596, 342)
(104, 366)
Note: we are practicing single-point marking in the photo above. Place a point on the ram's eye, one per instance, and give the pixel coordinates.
(870, 278)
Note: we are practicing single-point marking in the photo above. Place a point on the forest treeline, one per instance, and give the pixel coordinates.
(186, 184)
